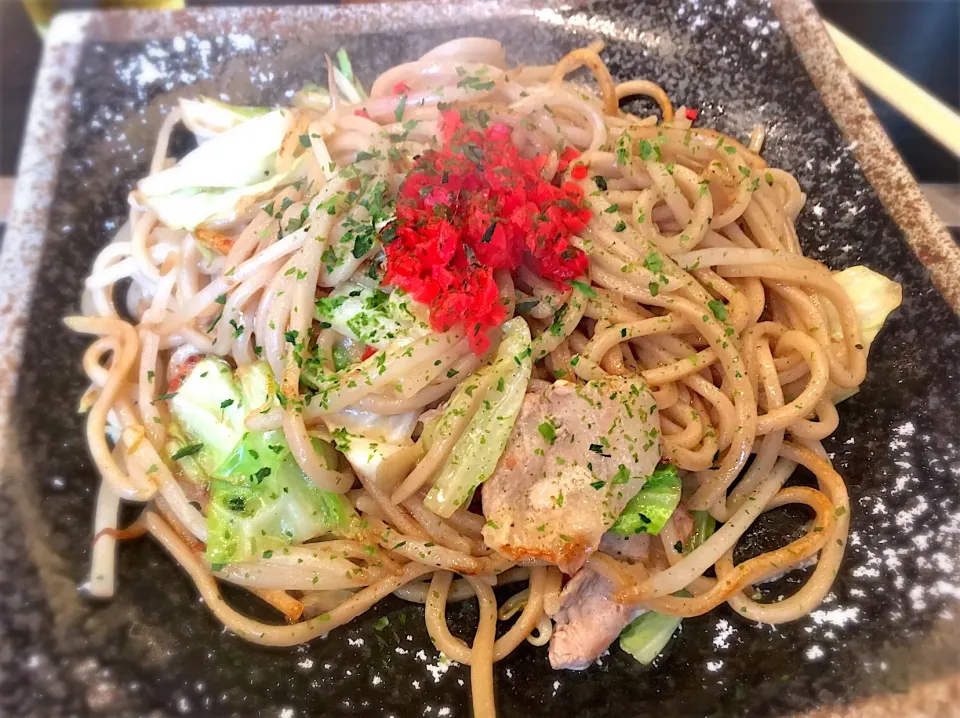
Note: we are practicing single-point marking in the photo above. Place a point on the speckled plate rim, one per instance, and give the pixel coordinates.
(46, 139)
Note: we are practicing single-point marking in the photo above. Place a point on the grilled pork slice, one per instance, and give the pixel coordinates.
(588, 621)
(577, 454)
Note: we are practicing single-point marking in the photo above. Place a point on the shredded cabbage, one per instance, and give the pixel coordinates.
(259, 498)
(476, 453)
(222, 176)
(703, 527)
(371, 316)
(647, 635)
(652, 506)
(366, 438)
(873, 295)
(209, 408)
(346, 68)
(265, 502)
(206, 118)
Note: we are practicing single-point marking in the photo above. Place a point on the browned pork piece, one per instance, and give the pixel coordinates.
(587, 622)
(589, 619)
(577, 454)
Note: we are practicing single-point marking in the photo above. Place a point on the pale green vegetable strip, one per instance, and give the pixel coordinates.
(703, 527)
(372, 316)
(207, 117)
(260, 500)
(346, 87)
(223, 176)
(189, 208)
(647, 635)
(874, 297)
(652, 506)
(209, 408)
(235, 158)
(347, 69)
(476, 453)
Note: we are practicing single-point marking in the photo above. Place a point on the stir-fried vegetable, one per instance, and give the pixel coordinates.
(206, 118)
(703, 527)
(346, 68)
(873, 295)
(647, 635)
(652, 506)
(372, 316)
(475, 454)
(312, 96)
(224, 175)
(266, 502)
(259, 497)
(209, 407)
(366, 439)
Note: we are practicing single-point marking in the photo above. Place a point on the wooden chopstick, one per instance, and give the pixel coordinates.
(916, 104)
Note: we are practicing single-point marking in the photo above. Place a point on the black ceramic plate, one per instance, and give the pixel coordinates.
(887, 625)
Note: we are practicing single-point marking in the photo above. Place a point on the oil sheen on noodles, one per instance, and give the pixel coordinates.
(682, 273)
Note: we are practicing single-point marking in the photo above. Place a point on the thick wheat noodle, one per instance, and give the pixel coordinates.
(734, 579)
(843, 376)
(397, 515)
(744, 402)
(693, 565)
(438, 529)
(248, 240)
(138, 246)
(306, 456)
(603, 341)
(806, 402)
(828, 564)
(585, 56)
(183, 533)
(828, 419)
(380, 404)
(481, 653)
(766, 457)
(355, 384)
(146, 388)
(440, 449)
(263, 633)
(457, 650)
(516, 602)
(633, 88)
(726, 413)
(544, 631)
(460, 590)
(206, 297)
(467, 523)
(610, 569)
(94, 356)
(427, 552)
(358, 550)
(681, 435)
(97, 418)
(144, 461)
